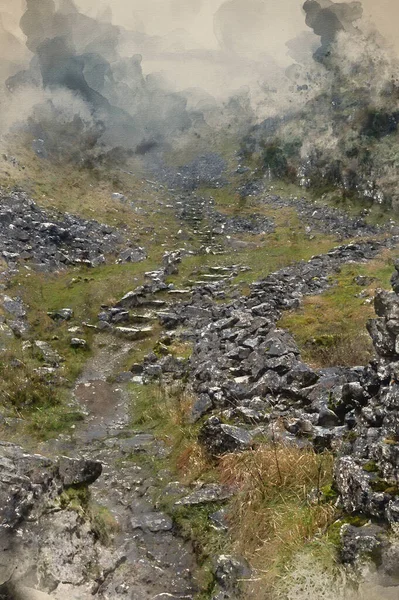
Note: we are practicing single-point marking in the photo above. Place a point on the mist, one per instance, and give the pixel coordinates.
(155, 75)
(304, 91)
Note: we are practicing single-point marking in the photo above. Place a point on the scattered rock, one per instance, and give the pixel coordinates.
(219, 520)
(14, 306)
(155, 522)
(49, 355)
(230, 572)
(131, 333)
(48, 240)
(220, 438)
(206, 494)
(118, 196)
(132, 255)
(65, 314)
(78, 343)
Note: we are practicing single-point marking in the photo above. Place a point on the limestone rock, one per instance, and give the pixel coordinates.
(78, 343)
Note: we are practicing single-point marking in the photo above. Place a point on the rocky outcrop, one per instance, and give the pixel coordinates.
(322, 218)
(367, 472)
(50, 241)
(43, 542)
(247, 374)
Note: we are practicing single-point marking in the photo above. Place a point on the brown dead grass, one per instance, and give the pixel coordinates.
(272, 517)
(192, 462)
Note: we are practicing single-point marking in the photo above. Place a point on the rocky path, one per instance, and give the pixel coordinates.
(242, 368)
(246, 369)
(243, 371)
(149, 561)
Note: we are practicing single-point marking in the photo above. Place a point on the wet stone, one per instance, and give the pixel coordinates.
(76, 472)
(155, 522)
(212, 492)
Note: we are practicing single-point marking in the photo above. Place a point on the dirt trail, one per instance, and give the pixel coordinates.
(155, 562)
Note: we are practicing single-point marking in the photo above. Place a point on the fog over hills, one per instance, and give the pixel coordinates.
(199, 300)
(168, 53)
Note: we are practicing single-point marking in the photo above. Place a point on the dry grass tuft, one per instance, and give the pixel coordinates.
(192, 462)
(272, 516)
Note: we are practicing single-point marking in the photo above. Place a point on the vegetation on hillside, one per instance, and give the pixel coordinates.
(330, 329)
(345, 137)
(276, 514)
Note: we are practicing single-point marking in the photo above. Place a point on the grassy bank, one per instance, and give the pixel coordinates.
(330, 329)
(283, 498)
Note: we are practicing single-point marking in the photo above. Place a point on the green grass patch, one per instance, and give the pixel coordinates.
(103, 523)
(75, 498)
(263, 254)
(226, 199)
(279, 250)
(46, 422)
(330, 329)
(41, 401)
(82, 289)
(164, 412)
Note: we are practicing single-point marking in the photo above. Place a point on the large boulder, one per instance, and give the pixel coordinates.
(219, 438)
(38, 540)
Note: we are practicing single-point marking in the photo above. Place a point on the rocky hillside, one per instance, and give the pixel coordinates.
(183, 414)
(340, 135)
(199, 341)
